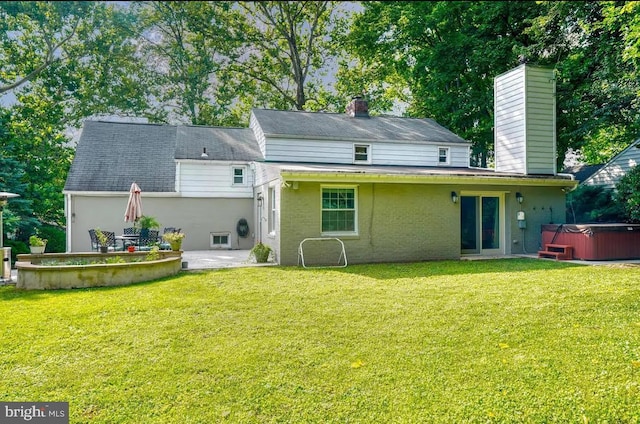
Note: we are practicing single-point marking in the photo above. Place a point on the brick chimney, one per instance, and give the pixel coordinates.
(358, 108)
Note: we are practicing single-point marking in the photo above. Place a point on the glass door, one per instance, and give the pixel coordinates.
(480, 224)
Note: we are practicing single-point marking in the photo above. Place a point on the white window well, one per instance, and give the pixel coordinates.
(220, 240)
(443, 156)
(238, 175)
(362, 153)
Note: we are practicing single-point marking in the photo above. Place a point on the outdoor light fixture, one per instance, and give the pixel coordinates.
(260, 199)
(519, 197)
(454, 197)
(204, 154)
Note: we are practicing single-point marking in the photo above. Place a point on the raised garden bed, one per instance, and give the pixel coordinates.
(81, 270)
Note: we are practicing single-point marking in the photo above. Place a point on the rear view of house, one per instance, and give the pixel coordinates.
(389, 188)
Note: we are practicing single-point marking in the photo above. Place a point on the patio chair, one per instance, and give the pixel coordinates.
(148, 239)
(94, 239)
(111, 240)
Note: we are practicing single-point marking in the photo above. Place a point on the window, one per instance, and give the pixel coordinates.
(272, 210)
(238, 176)
(339, 210)
(361, 153)
(443, 156)
(220, 240)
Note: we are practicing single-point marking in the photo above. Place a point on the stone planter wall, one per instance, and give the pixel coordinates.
(34, 276)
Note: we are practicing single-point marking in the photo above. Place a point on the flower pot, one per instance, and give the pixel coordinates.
(37, 250)
(175, 246)
(104, 249)
(131, 249)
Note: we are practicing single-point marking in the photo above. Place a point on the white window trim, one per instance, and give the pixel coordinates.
(355, 231)
(244, 175)
(220, 246)
(448, 150)
(271, 210)
(368, 147)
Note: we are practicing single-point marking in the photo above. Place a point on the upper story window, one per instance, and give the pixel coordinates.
(339, 213)
(239, 175)
(443, 156)
(362, 153)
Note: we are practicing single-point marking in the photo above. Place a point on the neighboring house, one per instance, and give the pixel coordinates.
(582, 172)
(390, 188)
(609, 174)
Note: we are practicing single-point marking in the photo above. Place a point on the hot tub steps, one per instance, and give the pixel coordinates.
(560, 252)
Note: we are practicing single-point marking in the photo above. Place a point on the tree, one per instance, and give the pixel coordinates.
(287, 48)
(594, 46)
(65, 61)
(440, 58)
(188, 46)
(628, 194)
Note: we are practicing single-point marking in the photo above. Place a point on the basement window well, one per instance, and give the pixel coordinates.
(220, 241)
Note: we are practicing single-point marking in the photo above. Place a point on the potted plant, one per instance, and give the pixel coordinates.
(260, 252)
(146, 222)
(37, 244)
(174, 238)
(103, 241)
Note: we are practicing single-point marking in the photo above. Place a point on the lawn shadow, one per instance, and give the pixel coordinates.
(395, 270)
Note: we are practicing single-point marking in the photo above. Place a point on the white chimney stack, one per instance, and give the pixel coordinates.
(525, 121)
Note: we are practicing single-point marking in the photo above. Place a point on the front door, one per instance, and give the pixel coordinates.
(481, 225)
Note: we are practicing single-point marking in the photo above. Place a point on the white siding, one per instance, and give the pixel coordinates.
(609, 175)
(259, 134)
(341, 152)
(525, 121)
(509, 95)
(213, 179)
(541, 128)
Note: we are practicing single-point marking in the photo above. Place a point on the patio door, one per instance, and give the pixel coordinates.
(481, 224)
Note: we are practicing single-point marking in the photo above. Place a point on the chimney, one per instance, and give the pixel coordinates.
(358, 108)
(525, 121)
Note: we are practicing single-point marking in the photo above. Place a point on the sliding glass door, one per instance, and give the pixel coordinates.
(481, 224)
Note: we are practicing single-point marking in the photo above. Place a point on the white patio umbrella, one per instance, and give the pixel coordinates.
(134, 205)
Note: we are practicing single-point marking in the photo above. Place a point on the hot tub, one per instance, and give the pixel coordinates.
(596, 242)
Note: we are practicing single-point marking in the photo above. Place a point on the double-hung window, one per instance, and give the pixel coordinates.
(238, 175)
(443, 156)
(339, 213)
(361, 153)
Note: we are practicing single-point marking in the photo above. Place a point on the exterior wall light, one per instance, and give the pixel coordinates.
(519, 197)
(260, 200)
(454, 197)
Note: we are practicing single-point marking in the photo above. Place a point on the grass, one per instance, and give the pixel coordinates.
(511, 341)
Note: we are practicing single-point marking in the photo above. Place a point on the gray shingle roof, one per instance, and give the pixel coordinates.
(343, 127)
(232, 144)
(112, 155)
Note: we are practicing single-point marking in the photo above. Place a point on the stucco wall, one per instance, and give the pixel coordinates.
(197, 217)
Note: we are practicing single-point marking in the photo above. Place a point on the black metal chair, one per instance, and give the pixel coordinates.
(111, 240)
(148, 239)
(94, 239)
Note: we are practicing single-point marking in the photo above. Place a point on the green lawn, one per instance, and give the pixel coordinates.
(514, 340)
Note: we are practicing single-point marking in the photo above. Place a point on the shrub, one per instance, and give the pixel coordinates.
(628, 194)
(260, 252)
(590, 204)
(56, 236)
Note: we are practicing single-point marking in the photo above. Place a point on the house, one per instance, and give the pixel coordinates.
(609, 174)
(388, 188)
